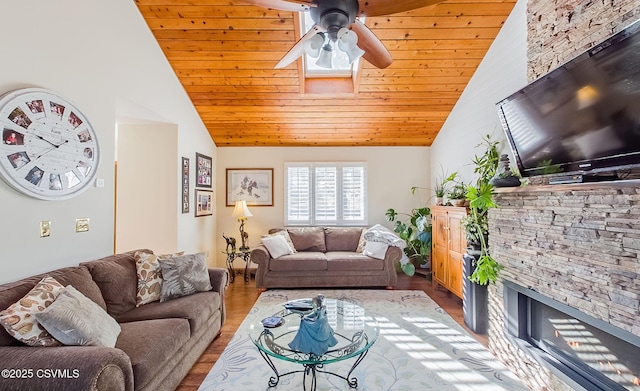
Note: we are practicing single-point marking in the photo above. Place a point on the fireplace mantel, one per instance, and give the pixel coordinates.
(606, 185)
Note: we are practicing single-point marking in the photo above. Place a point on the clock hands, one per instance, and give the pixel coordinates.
(54, 145)
(50, 149)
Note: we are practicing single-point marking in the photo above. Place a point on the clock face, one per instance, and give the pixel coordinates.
(48, 148)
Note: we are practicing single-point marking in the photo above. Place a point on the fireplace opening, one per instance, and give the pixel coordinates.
(581, 349)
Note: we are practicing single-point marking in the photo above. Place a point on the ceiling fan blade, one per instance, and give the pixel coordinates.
(298, 49)
(285, 5)
(374, 50)
(388, 7)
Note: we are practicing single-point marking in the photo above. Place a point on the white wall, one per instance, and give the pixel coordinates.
(392, 171)
(101, 56)
(502, 72)
(145, 192)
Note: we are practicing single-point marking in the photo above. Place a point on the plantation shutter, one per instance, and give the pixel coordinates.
(325, 194)
(298, 195)
(353, 194)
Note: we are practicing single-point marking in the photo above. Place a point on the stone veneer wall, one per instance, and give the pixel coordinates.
(559, 30)
(579, 245)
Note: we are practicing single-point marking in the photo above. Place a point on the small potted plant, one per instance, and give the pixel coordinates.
(458, 194)
(441, 186)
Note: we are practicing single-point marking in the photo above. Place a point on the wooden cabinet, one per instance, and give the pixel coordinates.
(448, 246)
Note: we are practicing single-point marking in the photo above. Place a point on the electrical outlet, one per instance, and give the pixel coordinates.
(82, 224)
(45, 229)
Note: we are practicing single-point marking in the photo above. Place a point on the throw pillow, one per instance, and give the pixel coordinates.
(149, 276)
(287, 238)
(375, 249)
(74, 319)
(361, 242)
(19, 321)
(184, 275)
(276, 245)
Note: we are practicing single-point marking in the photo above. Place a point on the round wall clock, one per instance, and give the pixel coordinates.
(48, 148)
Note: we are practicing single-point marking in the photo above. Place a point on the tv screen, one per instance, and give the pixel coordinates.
(584, 116)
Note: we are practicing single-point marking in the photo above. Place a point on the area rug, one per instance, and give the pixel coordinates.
(420, 347)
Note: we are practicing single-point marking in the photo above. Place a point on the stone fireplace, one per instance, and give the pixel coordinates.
(576, 245)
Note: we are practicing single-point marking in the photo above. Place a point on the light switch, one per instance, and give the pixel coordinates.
(45, 229)
(82, 224)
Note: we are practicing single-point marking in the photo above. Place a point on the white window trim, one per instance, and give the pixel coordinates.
(339, 203)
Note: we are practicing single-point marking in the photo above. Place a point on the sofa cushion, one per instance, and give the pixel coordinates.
(19, 318)
(276, 245)
(150, 344)
(73, 319)
(349, 261)
(342, 238)
(299, 261)
(117, 279)
(149, 276)
(308, 238)
(77, 276)
(184, 275)
(196, 308)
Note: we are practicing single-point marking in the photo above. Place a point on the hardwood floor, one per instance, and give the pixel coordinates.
(241, 296)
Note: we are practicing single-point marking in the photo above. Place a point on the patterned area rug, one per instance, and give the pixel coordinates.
(420, 347)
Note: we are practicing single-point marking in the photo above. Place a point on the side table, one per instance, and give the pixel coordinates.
(232, 256)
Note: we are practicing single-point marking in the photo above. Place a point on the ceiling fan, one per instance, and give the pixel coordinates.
(337, 24)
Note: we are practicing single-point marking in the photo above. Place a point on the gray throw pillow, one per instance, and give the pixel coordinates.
(184, 275)
(74, 319)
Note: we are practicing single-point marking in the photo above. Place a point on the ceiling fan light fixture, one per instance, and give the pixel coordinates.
(324, 60)
(313, 46)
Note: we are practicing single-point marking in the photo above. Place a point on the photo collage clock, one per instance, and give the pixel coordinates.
(48, 148)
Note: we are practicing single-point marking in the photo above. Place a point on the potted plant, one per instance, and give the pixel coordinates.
(415, 230)
(458, 194)
(480, 267)
(441, 186)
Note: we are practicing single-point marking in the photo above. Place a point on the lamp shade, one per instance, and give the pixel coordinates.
(324, 60)
(241, 211)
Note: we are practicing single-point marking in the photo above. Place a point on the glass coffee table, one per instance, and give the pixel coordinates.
(355, 330)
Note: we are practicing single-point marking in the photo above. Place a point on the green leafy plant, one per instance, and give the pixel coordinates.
(415, 230)
(476, 224)
(458, 192)
(442, 182)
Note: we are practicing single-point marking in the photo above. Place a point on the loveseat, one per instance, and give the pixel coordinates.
(158, 343)
(325, 257)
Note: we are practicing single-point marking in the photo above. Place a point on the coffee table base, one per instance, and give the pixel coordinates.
(312, 370)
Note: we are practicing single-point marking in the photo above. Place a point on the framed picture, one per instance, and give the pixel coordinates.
(204, 203)
(185, 185)
(254, 185)
(204, 168)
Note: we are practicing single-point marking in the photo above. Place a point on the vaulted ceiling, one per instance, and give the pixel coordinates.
(224, 53)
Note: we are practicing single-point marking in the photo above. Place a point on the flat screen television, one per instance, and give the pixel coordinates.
(583, 118)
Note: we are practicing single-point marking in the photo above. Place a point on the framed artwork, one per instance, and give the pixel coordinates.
(185, 185)
(204, 203)
(254, 185)
(204, 168)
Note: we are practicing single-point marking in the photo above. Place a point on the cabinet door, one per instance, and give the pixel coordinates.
(440, 245)
(456, 249)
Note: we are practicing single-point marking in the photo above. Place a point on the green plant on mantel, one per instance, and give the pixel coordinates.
(415, 230)
(476, 223)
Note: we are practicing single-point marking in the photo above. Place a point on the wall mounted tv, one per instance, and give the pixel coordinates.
(583, 118)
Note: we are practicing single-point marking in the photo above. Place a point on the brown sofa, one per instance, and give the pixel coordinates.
(325, 257)
(158, 344)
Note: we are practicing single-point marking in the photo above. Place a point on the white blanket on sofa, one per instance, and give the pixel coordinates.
(381, 234)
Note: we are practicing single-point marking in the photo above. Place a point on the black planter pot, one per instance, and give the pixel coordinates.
(475, 299)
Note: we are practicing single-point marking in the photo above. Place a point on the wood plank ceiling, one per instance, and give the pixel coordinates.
(224, 53)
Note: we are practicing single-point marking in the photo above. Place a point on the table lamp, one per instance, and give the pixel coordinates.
(241, 212)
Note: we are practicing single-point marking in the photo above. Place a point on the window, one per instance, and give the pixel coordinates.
(325, 194)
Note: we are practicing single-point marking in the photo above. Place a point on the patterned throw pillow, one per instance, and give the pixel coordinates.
(149, 276)
(362, 242)
(19, 318)
(74, 319)
(184, 275)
